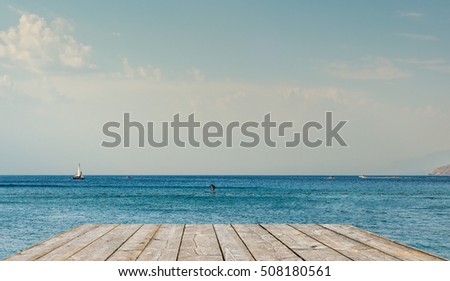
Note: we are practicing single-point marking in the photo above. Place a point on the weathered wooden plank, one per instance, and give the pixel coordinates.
(306, 247)
(134, 246)
(105, 246)
(77, 244)
(49, 245)
(199, 243)
(344, 245)
(165, 244)
(263, 245)
(390, 247)
(232, 247)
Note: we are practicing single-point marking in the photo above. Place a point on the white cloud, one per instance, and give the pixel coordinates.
(444, 68)
(419, 37)
(312, 94)
(6, 81)
(157, 73)
(416, 61)
(7, 85)
(35, 44)
(429, 110)
(143, 72)
(196, 74)
(411, 14)
(438, 64)
(373, 69)
(227, 100)
(73, 54)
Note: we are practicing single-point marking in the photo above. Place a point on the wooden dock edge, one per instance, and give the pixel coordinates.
(220, 242)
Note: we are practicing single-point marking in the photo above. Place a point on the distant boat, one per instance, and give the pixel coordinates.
(377, 177)
(79, 175)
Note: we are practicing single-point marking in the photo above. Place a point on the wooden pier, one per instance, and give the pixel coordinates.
(218, 242)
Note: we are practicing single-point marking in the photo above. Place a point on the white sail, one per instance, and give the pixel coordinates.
(78, 171)
(79, 174)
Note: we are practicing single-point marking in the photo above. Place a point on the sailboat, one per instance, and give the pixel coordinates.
(79, 175)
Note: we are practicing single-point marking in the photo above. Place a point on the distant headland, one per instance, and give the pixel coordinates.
(441, 171)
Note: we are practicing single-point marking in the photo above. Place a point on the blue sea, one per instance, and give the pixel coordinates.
(412, 210)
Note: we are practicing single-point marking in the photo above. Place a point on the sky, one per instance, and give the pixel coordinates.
(67, 68)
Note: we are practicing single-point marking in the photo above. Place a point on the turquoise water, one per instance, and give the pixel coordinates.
(412, 210)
